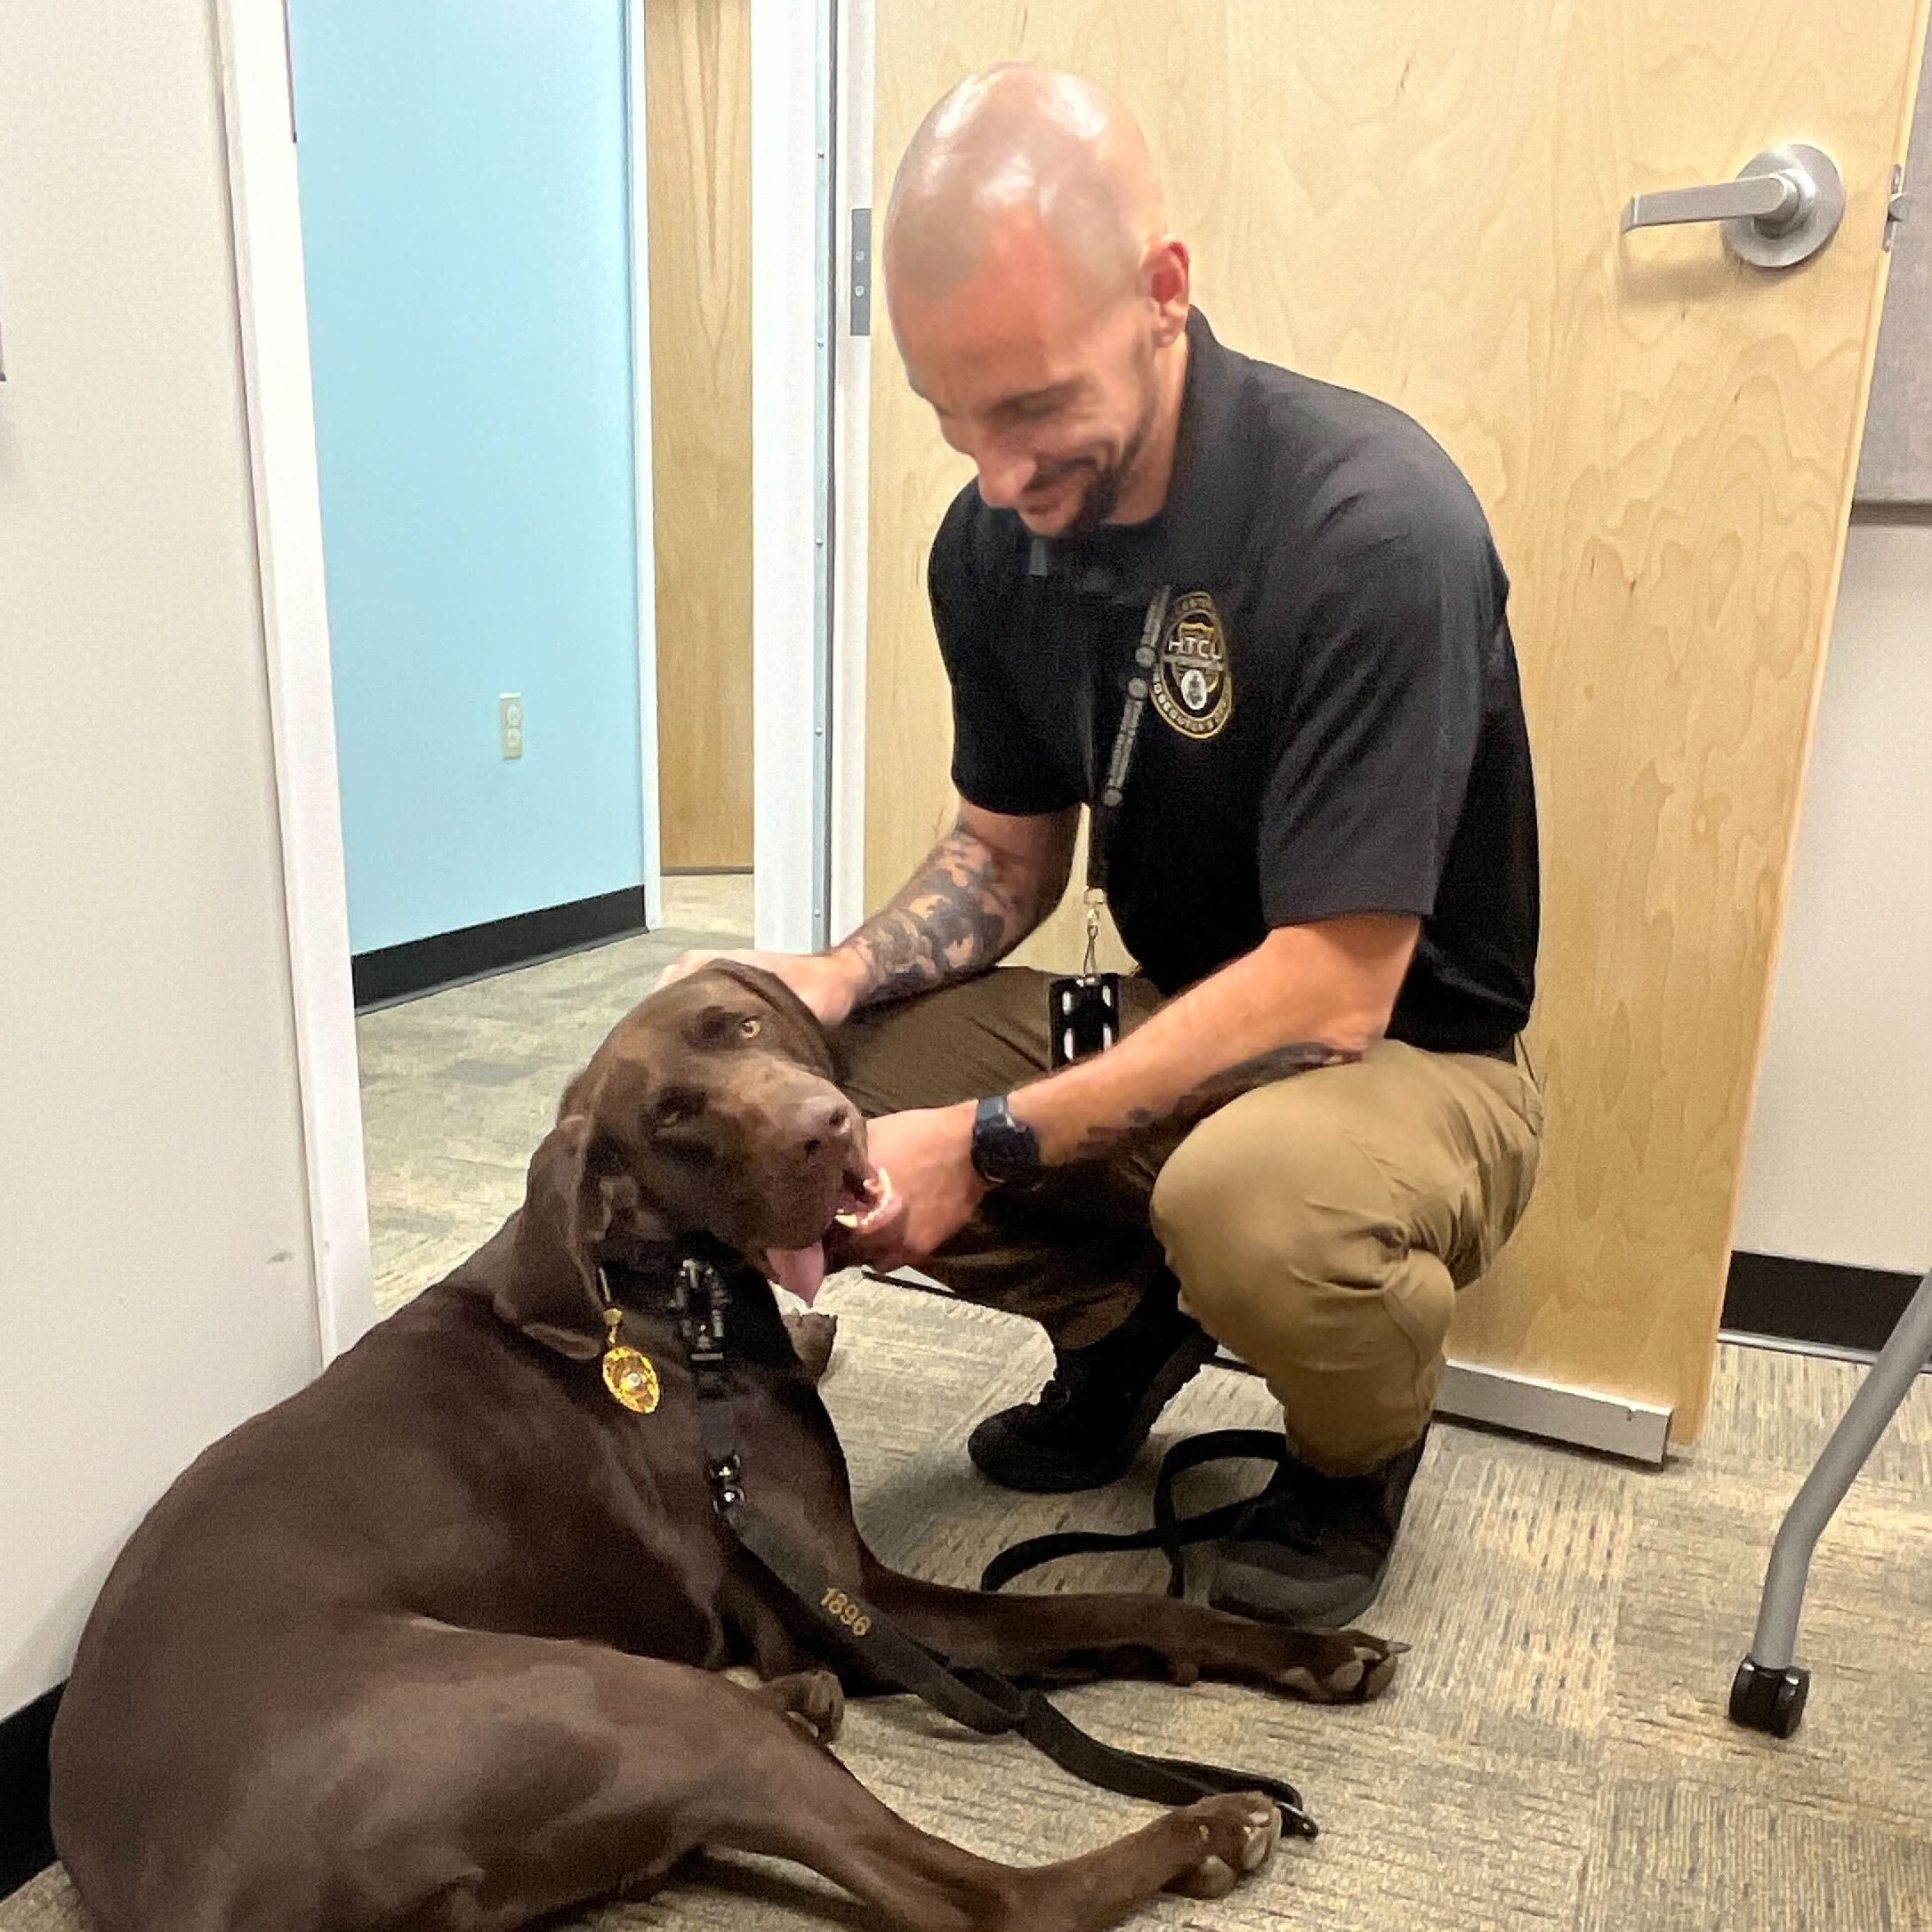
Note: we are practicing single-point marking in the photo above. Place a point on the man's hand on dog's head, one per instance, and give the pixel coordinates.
(824, 981)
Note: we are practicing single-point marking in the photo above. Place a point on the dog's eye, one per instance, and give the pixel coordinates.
(719, 1027)
(750, 1026)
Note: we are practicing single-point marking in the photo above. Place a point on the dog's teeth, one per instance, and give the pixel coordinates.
(877, 1189)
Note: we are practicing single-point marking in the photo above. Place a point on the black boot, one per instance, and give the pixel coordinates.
(1313, 1549)
(1089, 1421)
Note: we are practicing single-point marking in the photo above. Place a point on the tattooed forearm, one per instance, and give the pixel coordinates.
(964, 909)
(1216, 1090)
(1328, 989)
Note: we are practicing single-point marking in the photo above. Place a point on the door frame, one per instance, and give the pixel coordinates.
(796, 451)
(643, 471)
(851, 477)
(842, 62)
(258, 106)
(272, 310)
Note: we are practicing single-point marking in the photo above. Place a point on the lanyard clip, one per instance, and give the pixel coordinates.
(701, 1299)
(726, 1486)
(1089, 968)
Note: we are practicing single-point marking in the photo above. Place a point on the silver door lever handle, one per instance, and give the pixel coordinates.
(1774, 201)
(1781, 210)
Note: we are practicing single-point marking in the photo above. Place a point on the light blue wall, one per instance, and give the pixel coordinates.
(464, 222)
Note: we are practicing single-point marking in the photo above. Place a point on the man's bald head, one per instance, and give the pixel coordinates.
(1024, 146)
(1038, 302)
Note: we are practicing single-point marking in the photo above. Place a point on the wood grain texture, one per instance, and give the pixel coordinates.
(697, 85)
(1424, 203)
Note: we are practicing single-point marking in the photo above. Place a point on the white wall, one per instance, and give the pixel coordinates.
(1839, 1163)
(154, 1273)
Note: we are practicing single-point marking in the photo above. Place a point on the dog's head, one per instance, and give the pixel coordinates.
(710, 1109)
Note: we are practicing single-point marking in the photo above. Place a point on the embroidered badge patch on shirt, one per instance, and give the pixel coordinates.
(1192, 690)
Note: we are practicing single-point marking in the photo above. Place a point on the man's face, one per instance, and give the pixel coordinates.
(1048, 388)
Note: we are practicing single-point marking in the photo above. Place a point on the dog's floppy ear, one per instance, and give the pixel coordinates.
(578, 1196)
(800, 1024)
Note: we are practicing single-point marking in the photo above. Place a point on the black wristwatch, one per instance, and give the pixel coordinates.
(1004, 1149)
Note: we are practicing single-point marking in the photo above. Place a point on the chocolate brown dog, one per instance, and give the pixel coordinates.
(433, 1644)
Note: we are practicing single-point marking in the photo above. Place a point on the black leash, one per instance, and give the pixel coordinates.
(981, 1700)
(1170, 1532)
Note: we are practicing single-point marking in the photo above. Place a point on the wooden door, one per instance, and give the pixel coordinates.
(697, 63)
(1423, 203)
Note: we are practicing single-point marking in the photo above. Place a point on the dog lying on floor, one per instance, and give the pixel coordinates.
(433, 1644)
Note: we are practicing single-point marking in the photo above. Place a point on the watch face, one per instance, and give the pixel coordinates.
(1003, 1148)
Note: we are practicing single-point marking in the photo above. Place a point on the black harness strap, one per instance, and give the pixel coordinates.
(981, 1700)
(1170, 1533)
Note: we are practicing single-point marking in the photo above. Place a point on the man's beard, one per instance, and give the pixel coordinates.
(1107, 482)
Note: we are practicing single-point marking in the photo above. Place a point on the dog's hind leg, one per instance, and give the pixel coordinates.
(554, 1774)
(747, 1779)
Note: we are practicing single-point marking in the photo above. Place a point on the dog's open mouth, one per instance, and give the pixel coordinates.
(865, 1202)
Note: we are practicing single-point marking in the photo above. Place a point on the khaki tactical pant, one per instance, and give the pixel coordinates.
(1319, 1227)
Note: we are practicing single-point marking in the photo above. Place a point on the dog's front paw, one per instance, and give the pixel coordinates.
(812, 1337)
(813, 1700)
(1334, 1667)
(1235, 1835)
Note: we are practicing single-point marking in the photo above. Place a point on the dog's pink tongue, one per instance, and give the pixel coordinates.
(803, 1271)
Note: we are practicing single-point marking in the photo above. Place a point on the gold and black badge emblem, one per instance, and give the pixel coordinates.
(628, 1373)
(1192, 690)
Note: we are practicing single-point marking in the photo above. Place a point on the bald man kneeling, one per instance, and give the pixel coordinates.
(1256, 624)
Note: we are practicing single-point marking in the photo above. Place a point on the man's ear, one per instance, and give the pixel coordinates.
(576, 1196)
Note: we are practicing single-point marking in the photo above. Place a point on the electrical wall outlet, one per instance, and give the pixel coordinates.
(510, 724)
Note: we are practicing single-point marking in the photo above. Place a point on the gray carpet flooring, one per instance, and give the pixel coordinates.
(1554, 1753)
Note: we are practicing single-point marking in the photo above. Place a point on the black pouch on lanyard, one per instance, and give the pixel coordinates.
(1085, 1008)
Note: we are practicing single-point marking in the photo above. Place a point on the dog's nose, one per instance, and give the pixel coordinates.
(825, 1118)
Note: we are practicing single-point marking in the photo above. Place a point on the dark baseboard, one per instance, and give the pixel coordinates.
(401, 972)
(26, 1846)
(1823, 1303)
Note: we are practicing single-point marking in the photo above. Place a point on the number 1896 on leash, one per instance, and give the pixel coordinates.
(837, 1604)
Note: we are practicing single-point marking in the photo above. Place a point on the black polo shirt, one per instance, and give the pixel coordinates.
(1335, 723)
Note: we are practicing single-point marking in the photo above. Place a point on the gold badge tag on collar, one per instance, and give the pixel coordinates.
(628, 1373)
(1192, 690)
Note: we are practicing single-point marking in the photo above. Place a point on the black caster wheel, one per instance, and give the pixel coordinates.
(1771, 1701)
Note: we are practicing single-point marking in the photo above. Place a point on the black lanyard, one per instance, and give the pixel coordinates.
(1105, 792)
(1104, 806)
(981, 1700)
(1103, 809)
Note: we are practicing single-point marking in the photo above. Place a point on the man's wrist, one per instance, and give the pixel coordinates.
(1005, 1149)
(850, 976)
